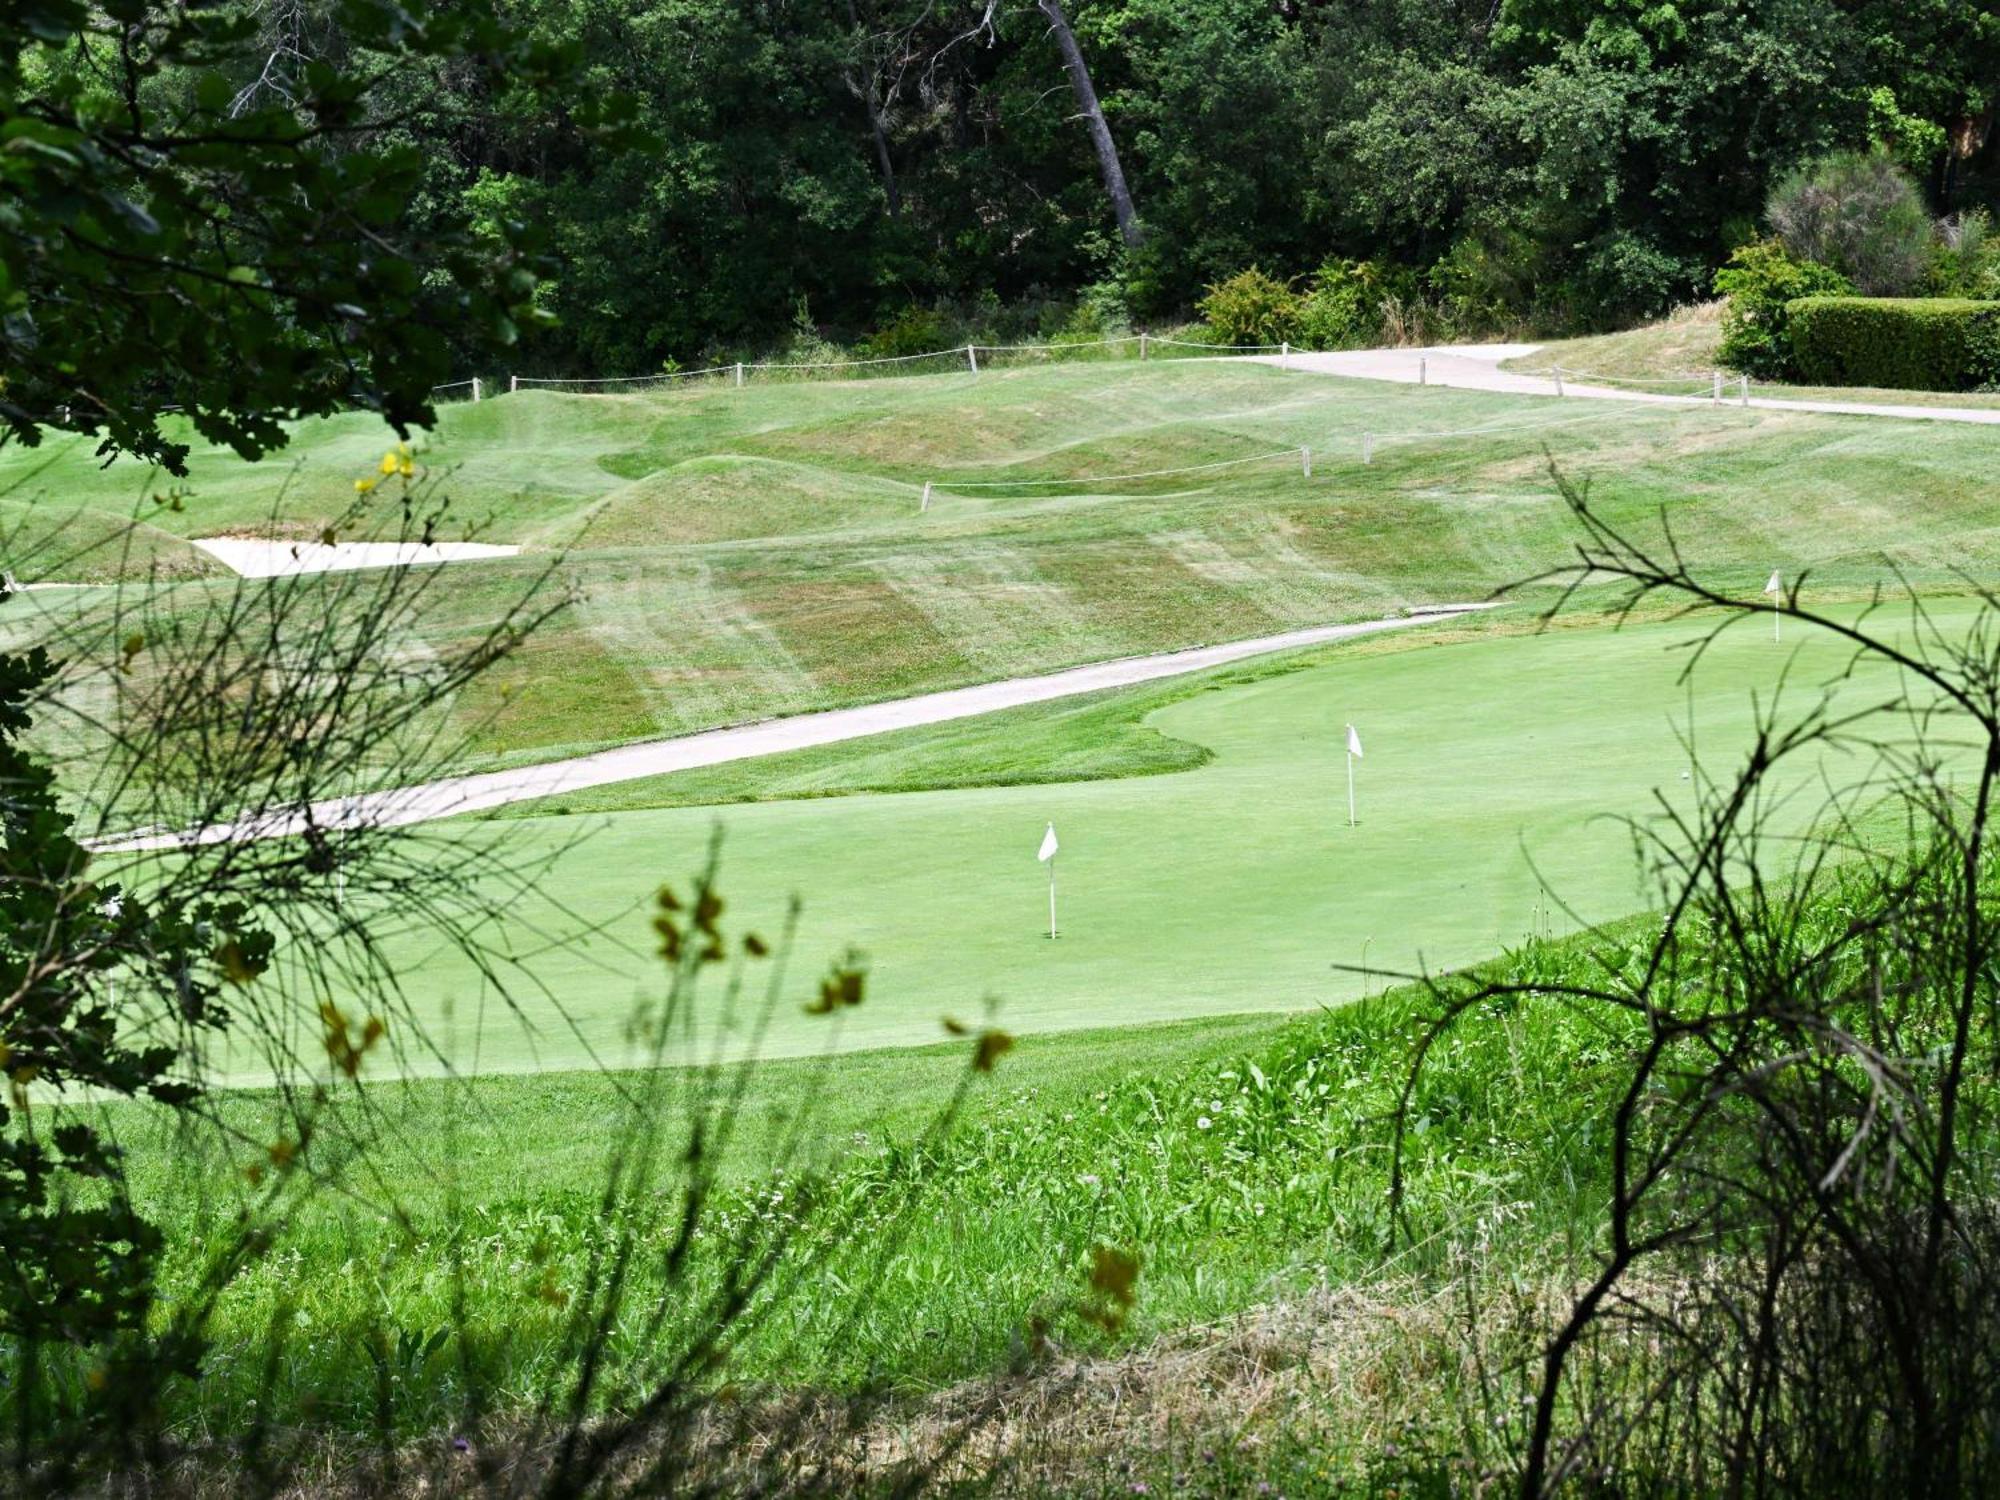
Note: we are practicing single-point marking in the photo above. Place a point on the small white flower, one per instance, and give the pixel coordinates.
(1203, 1123)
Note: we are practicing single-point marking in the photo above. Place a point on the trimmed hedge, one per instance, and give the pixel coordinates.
(1905, 343)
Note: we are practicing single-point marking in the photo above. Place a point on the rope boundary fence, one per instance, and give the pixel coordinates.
(1720, 386)
(739, 370)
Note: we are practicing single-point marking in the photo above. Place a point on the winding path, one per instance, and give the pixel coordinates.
(465, 794)
(1477, 367)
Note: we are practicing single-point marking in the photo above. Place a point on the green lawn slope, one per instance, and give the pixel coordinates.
(742, 553)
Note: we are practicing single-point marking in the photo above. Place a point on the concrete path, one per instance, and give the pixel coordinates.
(1477, 367)
(464, 794)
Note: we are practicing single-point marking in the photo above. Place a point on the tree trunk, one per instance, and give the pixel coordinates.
(870, 90)
(1100, 133)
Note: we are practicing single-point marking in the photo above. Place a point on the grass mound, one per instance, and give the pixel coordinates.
(726, 497)
(45, 542)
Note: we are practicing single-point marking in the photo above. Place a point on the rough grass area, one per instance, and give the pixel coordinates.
(739, 554)
(1243, 1163)
(49, 542)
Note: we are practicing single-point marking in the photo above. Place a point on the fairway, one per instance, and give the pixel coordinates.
(736, 554)
(1497, 775)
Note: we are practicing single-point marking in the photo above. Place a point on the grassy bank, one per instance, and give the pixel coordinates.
(1243, 1163)
(1687, 343)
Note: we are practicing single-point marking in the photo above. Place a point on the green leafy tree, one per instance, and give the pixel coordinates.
(195, 218)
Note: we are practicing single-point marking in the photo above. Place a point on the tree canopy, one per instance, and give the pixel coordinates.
(1563, 162)
(208, 209)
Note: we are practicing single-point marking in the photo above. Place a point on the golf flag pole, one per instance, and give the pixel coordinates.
(1353, 754)
(1777, 592)
(1047, 856)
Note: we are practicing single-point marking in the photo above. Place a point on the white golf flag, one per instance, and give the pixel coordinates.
(1353, 741)
(1049, 845)
(1773, 586)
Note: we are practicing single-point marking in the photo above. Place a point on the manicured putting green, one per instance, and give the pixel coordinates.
(1491, 767)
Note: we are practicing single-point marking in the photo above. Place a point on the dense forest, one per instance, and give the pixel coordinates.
(833, 164)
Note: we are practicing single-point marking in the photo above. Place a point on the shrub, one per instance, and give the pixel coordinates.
(1922, 344)
(1344, 309)
(806, 345)
(1859, 213)
(1761, 282)
(1966, 259)
(1251, 308)
(914, 330)
(1099, 313)
(1624, 278)
(1493, 278)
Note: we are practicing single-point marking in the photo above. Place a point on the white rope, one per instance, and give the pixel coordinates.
(1061, 347)
(843, 364)
(619, 379)
(960, 351)
(1185, 344)
(452, 385)
(1014, 484)
(1564, 371)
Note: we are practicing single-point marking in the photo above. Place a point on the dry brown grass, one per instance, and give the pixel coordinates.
(1342, 1376)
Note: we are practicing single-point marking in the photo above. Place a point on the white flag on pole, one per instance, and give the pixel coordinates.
(1049, 845)
(1353, 741)
(1774, 586)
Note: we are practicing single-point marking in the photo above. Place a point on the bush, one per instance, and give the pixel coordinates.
(1625, 278)
(1859, 213)
(1761, 282)
(1251, 308)
(1919, 344)
(1496, 277)
(914, 330)
(1344, 309)
(1099, 313)
(1966, 259)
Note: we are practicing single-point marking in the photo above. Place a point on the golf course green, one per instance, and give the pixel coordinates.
(1494, 796)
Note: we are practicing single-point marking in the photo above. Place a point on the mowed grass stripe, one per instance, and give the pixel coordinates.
(758, 552)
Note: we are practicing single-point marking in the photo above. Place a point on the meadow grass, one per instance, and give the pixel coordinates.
(1244, 1162)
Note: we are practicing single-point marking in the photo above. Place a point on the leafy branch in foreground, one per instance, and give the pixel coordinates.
(203, 220)
(203, 717)
(1798, 1266)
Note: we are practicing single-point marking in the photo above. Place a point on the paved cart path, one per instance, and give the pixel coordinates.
(464, 794)
(1476, 367)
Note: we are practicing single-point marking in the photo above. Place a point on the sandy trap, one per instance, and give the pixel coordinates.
(254, 557)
